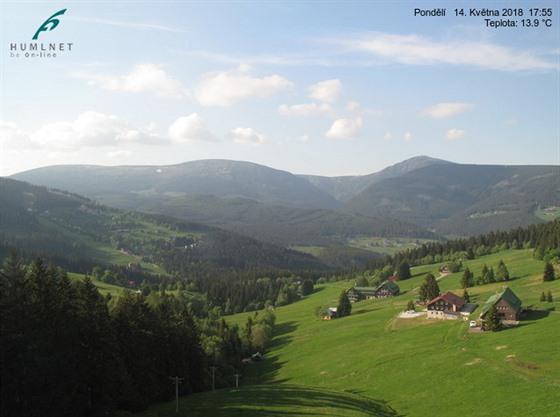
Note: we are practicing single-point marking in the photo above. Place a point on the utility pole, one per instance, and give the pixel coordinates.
(237, 380)
(213, 369)
(176, 380)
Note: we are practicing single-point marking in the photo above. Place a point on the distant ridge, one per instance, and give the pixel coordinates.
(346, 187)
(219, 177)
(418, 197)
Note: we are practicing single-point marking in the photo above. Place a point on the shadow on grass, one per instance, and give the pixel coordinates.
(286, 400)
(527, 319)
(536, 315)
(268, 368)
(284, 328)
(362, 311)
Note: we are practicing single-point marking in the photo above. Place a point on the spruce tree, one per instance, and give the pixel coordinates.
(491, 276)
(548, 272)
(485, 271)
(492, 320)
(543, 296)
(306, 287)
(403, 270)
(549, 296)
(429, 289)
(468, 278)
(503, 273)
(344, 306)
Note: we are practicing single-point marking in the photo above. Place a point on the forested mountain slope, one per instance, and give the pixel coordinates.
(347, 187)
(40, 220)
(455, 199)
(130, 186)
(417, 197)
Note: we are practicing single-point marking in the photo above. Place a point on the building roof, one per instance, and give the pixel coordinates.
(365, 289)
(508, 296)
(450, 298)
(391, 286)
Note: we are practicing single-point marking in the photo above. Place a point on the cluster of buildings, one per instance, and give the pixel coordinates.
(447, 306)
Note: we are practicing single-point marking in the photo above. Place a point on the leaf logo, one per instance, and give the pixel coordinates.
(49, 24)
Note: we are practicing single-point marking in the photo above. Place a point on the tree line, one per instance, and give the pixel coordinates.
(64, 352)
(543, 238)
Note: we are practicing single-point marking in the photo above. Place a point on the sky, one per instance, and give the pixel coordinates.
(326, 88)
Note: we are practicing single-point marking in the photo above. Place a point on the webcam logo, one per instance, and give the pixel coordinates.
(50, 24)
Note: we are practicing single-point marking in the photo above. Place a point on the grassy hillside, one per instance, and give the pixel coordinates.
(421, 366)
(272, 400)
(416, 367)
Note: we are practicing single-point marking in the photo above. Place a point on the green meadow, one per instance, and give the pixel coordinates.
(376, 364)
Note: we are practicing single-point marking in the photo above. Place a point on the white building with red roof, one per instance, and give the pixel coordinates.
(446, 306)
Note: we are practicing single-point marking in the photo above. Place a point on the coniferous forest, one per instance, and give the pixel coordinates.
(65, 353)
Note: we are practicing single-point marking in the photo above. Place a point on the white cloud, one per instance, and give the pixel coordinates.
(90, 129)
(246, 135)
(345, 128)
(388, 136)
(408, 137)
(454, 134)
(226, 88)
(418, 50)
(305, 109)
(443, 110)
(327, 91)
(356, 108)
(13, 136)
(353, 106)
(144, 78)
(190, 128)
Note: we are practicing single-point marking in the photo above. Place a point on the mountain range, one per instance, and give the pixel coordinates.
(419, 197)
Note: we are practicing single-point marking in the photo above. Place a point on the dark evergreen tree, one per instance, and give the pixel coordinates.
(548, 274)
(467, 280)
(344, 307)
(491, 276)
(492, 320)
(466, 296)
(503, 273)
(403, 270)
(135, 327)
(543, 296)
(429, 289)
(99, 362)
(484, 275)
(306, 287)
(15, 331)
(549, 296)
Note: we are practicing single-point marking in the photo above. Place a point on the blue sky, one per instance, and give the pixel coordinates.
(318, 87)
